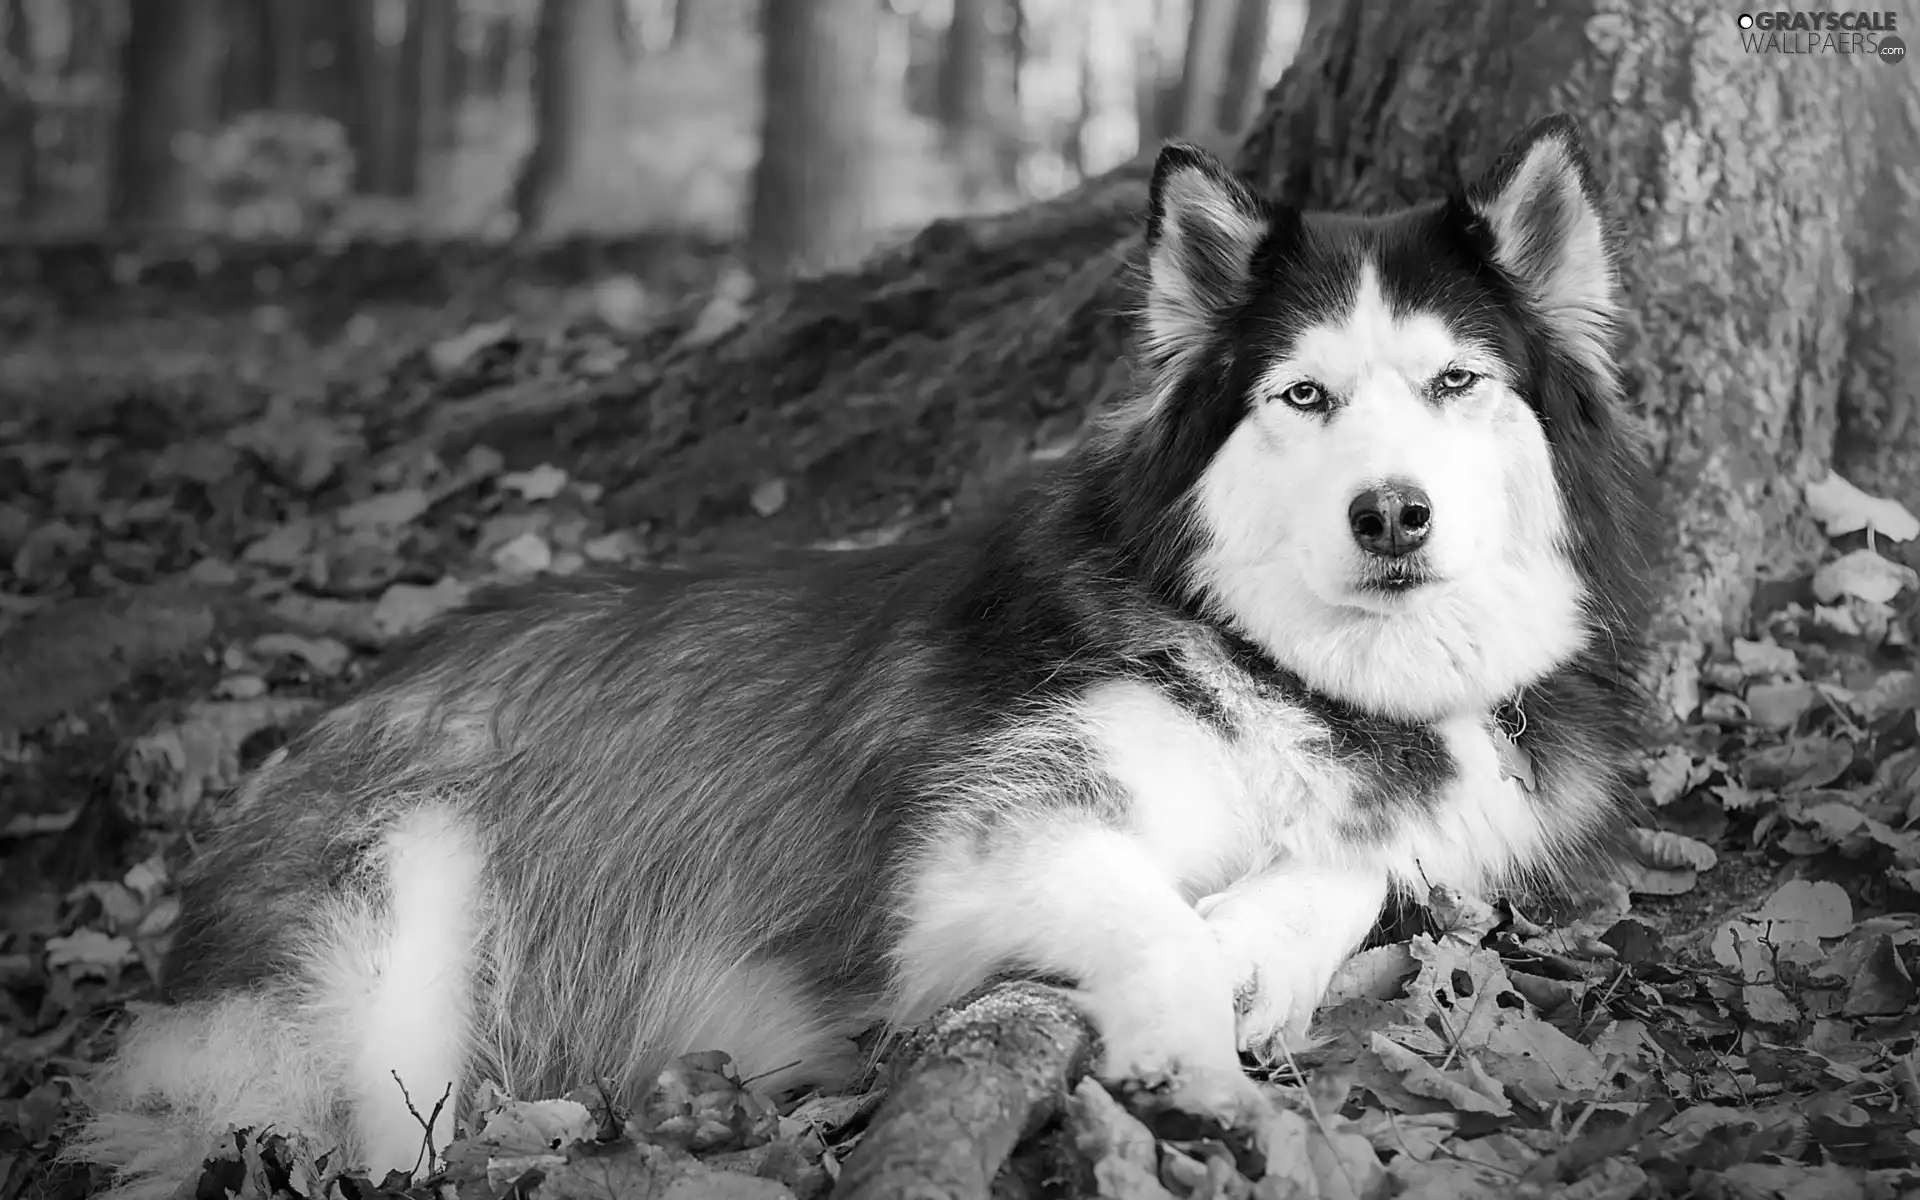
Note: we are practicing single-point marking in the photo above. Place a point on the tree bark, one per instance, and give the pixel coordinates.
(812, 186)
(1204, 75)
(170, 72)
(684, 27)
(1768, 238)
(246, 77)
(346, 87)
(420, 124)
(286, 38)
(434, 71)
(20, 114)
(1246, 52)
(986, 1074)
(579, 84)
(971, 69)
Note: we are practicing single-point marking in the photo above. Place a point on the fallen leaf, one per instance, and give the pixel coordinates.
(1863, 575)
(385, 510)
(1121, 1149)
(537, 1127)
(1800, 765)
(1463, 1092)
(89, 951)
(1643, 880)
(621, 301)
(699, 1104)
(449, 355)
(1842, 508)
(302, 449)
(724, 311)
(1879, 986)
(1665, 850)
(168, 774)
(1819, 907)
(528, 554)
(325, 655)
(22, 825)
(543, 482)
(1671, 775)
(1780, 705)
(1761, 658)
(283, 546)
(1769, 1005)
(1790, 1181)
(405, 608)
(619, 546)
(1379, 974)
(769, 497)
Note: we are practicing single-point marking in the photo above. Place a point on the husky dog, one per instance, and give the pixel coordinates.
(1343, 603)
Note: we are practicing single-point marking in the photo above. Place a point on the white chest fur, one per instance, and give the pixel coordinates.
(1212, 806)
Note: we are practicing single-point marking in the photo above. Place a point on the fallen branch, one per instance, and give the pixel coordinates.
(987, 1074)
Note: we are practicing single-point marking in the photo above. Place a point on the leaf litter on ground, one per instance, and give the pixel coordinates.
(1734, 1017)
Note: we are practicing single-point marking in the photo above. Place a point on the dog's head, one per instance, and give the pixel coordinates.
(1392, 439)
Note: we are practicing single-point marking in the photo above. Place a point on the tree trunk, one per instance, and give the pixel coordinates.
(685, 24)
(963, 102)
(286, 53)
(1769, 251)
(246, 76)
(420, 124)
(579, 85)
(339, 52)
(20, 114)
(1240, 90)
(1203, 76)
(970, 120)
(385, 109)
(812, 186)
(435, 68)
(170, 66)
(493, 60)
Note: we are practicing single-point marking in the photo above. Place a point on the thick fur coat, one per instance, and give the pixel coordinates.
(1172, 727)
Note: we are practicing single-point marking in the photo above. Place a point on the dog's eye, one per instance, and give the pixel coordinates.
(1457, 380)
(1305, 395)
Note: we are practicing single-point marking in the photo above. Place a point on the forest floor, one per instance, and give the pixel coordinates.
(224, 489)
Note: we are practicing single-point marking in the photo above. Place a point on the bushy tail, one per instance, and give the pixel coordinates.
(185, 1077)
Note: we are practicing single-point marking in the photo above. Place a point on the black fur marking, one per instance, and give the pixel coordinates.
(619, 721)
(1399, 767)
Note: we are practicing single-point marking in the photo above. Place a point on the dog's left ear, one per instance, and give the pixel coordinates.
(1203, 225)
(1540, 204)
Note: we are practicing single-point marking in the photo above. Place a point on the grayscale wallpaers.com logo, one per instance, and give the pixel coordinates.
(1823, 32)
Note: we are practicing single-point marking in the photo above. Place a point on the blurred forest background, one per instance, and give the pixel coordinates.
(808, 129)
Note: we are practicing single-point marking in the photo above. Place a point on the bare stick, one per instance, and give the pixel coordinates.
(986, 1074)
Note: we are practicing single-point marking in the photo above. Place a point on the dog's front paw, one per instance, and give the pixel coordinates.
(1151, 1036)
(1279, 979)
(1167, 1013)
(1173, 1062)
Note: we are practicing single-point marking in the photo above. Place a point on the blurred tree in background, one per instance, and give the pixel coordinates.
(581, 65)
(288, 118)
(169, 69)
(812, 188)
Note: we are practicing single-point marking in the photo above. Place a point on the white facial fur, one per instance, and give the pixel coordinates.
(1280, 560)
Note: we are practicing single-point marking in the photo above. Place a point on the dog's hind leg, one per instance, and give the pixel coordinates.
(400, 983)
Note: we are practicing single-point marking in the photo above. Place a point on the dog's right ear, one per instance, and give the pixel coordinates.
(1203, 225)
(1541, 210)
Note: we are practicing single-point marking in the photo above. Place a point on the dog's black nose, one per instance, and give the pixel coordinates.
(1390, 520)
